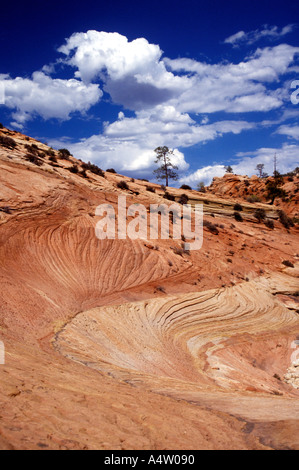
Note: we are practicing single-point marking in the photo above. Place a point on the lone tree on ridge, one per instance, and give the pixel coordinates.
(166, 170)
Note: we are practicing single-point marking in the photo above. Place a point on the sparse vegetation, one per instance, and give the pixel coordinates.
(74, 169)
(169, 197)
(211, 227)
(183, 199)
(186, 186)
(151, 189)
(53, 158)
(64, 154)
(93, 169)
(285, 220)
(238, 217)
(7, 142)
(111, 170)
(269, 223)
(274, 189)
(201, 187)
(122, 185)
(288, 263)
(238, 207)
(33, 159)
(260, 214)
(166, 170)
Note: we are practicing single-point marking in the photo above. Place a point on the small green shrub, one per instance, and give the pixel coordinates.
(74, 169)
(211, 227)
(150, 189)
(64, 154)
(238, 217)
(122, 185)
(111, 170)
(285, 220)
(186, 186)
(269, 223)
(260, 214)
(93, 169)
(238, 207)
(7, 142)
(33, 159)
(288, 263)
(169, 197)
(183, 199)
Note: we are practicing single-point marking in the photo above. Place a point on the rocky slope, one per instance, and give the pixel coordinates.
(138, 344)
(244, 188)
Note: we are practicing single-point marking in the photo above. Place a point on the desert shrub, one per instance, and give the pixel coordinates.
(290, 178)
(122, 185)
(83, 174)
(169, 197)
(150, 189)
(183, 199)
(185, 186)
(269, 223)
(247, 183)
(111, 170)
(253, 198)
(260, 214)
(73, 169)
(53, 158)
(163, 187)
(7, 142)
(285, 220)
(132, 180)
(144, 179)
(238, 217)
(64, 154)
(50, 153)
(288, 263)
(201, 187)
(93, 169)
(1, 125)
(211, 227)
(33, 159)
(238, 207)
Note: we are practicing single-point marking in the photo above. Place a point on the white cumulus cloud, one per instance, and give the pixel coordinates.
(47, 97)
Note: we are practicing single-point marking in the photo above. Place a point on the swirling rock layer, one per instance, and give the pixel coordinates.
(135, 344)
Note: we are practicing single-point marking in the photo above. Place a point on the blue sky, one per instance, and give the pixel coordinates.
(113, 80)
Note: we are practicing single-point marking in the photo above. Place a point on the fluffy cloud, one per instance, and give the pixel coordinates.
(133, 72)
(137, 77)
(269, 32)
(48, 97)
(290, 131)
(128, 143)
(205, 175)
(235, 87)
(287, 156)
